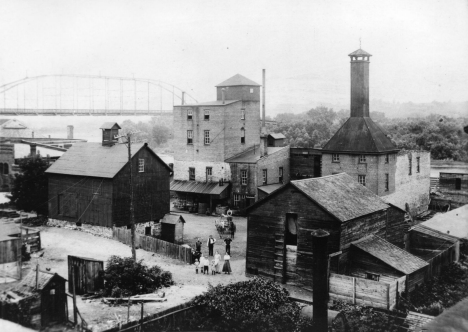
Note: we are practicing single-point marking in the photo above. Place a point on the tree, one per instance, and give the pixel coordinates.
(30, 188)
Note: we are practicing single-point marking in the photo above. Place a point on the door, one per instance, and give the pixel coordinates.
(291, 248)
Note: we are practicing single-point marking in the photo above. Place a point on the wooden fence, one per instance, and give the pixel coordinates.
(152, 244)
(10, 258)
(364, 291)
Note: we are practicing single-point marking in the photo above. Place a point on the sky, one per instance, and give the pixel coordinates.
(419, 47)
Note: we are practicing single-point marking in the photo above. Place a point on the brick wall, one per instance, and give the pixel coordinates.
(412, 189)
(272, 163)
(374, 169)
(220, 170)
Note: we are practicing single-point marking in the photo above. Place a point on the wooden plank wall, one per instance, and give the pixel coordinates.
(9, 250)
(152, 244)
(362, 291)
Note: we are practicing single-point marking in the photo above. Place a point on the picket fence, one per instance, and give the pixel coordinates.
(152, 244)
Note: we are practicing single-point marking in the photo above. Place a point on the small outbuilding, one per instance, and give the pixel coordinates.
(172, 228)
(88, 275)
(276, 139)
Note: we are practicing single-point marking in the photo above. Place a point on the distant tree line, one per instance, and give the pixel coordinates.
(154, 132)
(443, 136)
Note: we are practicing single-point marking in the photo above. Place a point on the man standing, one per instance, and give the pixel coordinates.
(228, 245)
(210, 245)
(198, 245)
(233, 229)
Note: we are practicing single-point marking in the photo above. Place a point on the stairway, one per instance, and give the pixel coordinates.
(279, 258)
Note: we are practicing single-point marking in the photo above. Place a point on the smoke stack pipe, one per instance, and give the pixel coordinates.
(183, 98)
(222, 96)
(263, 100)
(70, 132)
(320, 280)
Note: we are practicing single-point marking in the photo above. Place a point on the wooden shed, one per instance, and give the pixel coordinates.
(279, 226)
(88, 275)
(374, 258)
(172, 228)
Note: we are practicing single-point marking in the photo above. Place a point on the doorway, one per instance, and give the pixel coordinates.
(291, 247)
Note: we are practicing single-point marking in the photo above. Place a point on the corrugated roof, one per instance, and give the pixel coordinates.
(211, 103)
(341, 195)
(236, 80)
(28, 283)
(359, 52)
(455, 222)
(360, 135)
(209, 188)
(110, 125)
(277, 135)
(269, 188)
(252, 155)
(170, 218)
(390, 254)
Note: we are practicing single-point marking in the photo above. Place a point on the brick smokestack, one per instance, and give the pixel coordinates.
(70, 132)
(320, 280)
(360, 83)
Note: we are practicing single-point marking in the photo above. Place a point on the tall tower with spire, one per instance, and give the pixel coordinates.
(360, 147)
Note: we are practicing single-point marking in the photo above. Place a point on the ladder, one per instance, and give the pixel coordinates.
(280, 256)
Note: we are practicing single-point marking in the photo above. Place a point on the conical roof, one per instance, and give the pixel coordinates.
(359, 52)
(360, 135)
(237, 80)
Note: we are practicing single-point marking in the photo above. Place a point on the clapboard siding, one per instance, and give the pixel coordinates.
(396, 227)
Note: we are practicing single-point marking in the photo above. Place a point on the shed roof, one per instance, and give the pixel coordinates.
(94, 159)
(236, 80)
(435, 233)
(28, 284)
(277, 135)
(359, 52)
(170, 218)
(455, 222)
(209, 188)
(252, 155)
(360, 135)
(110, 125)
(390, 254)
(341, 195)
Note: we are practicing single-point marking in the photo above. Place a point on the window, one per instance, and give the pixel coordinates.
(362, 158)
(207, 114)
(141, 165)
(238, 198)
(189, 136)
(191, 174)
(264, 175)
(189, 114)
(251, 90)
(417, 164)
(242, 114)
(410, 166)
(386, 158)
(280, 173)
(362, 179)
(207, 137)
(336, 158)
(387, 182)
(372, 276)
(242, 136)
(458, 183)
(209, 173)
(291, 229)
(244, 177)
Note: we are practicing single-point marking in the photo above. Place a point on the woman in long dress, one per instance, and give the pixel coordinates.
(227, 265)
(217, 258)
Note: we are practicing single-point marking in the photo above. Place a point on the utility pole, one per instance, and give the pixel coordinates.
(128, 142)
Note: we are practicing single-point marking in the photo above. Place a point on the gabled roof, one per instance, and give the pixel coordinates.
(252, 155)
(110, 125)
(28, 284)
(94, 159)
(339, 194)
(170, 218)
(360, 135)
(277, 135)
(359, 52)
(236, 80)
(390, 254)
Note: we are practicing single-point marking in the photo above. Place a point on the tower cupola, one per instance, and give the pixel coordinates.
(360, 83)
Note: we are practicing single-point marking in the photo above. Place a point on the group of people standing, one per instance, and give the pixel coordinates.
(203, 262)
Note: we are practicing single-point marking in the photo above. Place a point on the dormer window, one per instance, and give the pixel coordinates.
(207, 114)
(189, 114)
(141, 165)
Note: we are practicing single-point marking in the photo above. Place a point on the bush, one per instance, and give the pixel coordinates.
(254, 305)
(126, 277)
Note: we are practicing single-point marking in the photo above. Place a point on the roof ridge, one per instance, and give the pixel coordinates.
(392, 245)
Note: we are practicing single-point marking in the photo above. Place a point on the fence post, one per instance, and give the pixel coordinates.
(388, 296)
(354, 290)
(320, 280)
(141, 321)
(75, 318)
(396, 294)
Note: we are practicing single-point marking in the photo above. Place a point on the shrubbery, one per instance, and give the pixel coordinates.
(126, 277)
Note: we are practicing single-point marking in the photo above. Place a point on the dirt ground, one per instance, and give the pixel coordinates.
(58, 243)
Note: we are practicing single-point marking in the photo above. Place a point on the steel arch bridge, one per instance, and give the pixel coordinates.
(89, 95)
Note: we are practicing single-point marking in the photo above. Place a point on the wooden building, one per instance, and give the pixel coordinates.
(376, 259)
(172, 228)
(279, 241)
(276, 139)
(305, 163)
(88, 275)
(90, 183)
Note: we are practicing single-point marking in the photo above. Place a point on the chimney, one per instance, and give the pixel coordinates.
(33, 148)
(263, 133)
(183, 97)
(360, 83)
(222, 96)
(70, 132)
(320, 280)
(32, 134)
